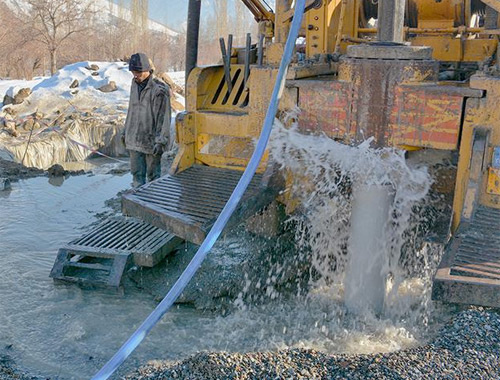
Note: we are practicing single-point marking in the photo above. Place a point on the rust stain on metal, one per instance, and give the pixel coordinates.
(380, 99)
(424, 119)
(374, 83)
(326, 107)
(493, 181)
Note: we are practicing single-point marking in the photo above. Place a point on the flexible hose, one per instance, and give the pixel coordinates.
(137, 337)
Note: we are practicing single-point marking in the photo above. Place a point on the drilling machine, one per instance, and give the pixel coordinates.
(417, 75)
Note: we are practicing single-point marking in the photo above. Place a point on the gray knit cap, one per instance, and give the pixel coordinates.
(139, 62)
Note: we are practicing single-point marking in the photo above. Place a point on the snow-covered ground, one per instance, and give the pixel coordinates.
(53, 94)
(12, 86)
(178, 77)
(56, 111)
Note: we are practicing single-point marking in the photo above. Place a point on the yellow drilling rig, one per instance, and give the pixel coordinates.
(412, 74)
(422, 76)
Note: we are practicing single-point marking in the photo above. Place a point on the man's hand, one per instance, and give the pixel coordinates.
(158, 149)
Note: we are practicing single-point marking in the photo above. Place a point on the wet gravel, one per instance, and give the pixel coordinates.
(468, 347)
(8, 371)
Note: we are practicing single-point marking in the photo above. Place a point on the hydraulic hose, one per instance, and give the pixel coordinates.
(137, 337)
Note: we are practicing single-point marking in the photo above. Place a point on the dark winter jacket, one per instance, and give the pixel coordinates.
(148, 116)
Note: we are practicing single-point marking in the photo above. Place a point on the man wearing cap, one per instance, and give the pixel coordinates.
(147, 127)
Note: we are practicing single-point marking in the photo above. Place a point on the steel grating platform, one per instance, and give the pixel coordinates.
(470, 270)
(101, 256)
(188, 203)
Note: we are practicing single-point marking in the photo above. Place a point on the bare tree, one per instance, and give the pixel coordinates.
(20, 56)
(221, 14)
(54, 21)
(104, 36)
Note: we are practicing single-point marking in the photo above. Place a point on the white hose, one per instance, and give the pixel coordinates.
(136, 338)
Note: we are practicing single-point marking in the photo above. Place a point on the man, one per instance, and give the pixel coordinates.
(147, 127)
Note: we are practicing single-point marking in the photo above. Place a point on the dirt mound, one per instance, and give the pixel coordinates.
(14, 171)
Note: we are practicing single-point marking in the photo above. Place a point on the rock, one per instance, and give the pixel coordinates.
(92, 67)
(56, 170)
(11, 132)
(110, 87)
(56, 180)
(8, 100)
(9, 111)
(10, 127)
(173, 86)
(94, 73)
(22, 95)
(28, 125)
(37, 115)
(233, 268)
(267, 222)
(74, 84)
(4, 184)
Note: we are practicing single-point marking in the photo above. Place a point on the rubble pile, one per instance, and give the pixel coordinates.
(71, 115)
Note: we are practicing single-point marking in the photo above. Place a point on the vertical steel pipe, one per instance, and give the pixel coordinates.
(192, 34)
(226, 60)
(260, 50)
(391, 17)
(247, 57)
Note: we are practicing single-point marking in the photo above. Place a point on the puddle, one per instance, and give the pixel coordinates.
(64, 332)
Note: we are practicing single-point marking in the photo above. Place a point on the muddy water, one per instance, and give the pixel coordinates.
(64, 332)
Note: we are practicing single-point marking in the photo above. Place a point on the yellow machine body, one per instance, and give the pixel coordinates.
(220, 127)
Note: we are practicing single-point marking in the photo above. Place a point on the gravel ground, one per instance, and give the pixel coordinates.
(468, 347)
(8, 371)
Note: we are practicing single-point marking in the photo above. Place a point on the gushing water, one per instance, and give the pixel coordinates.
(328, 179)
(68, 333)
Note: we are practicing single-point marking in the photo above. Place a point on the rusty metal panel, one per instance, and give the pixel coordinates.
(374, 86)
(426, 118)
(493, 181)
(325, 107)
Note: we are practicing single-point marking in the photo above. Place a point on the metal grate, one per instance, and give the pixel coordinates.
(188, 203)
(239, 96)
(478, 254)
(470, 269)
(102, 255)
(123, 234)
